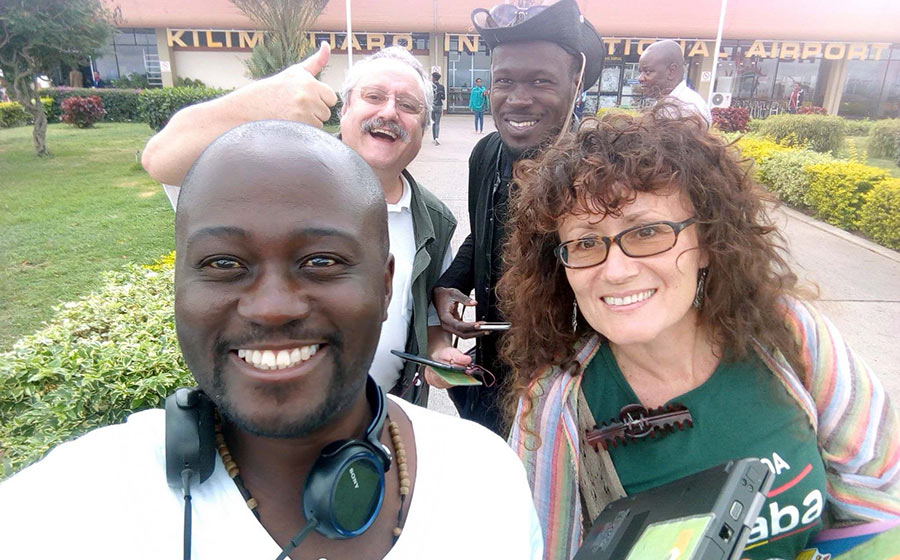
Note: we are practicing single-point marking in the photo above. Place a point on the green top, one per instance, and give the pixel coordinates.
(740, 411)
(477, 98)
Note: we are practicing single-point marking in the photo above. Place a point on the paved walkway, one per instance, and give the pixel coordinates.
(859, 281)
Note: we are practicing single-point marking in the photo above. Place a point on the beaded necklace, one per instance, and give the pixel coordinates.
(399, 455)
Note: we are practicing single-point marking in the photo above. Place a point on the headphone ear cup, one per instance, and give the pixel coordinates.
(190, 435)
(344, 490)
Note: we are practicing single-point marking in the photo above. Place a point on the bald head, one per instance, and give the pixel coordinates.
(264, 156)
(661, 68)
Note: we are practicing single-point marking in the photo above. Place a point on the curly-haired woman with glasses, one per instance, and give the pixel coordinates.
(642, 269)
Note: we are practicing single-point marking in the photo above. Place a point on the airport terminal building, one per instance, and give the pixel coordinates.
(844, 55)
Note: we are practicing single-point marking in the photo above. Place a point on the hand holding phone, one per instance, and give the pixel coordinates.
(453, 374)
(492, 326)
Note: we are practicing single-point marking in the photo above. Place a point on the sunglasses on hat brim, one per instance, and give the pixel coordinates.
(504, 15)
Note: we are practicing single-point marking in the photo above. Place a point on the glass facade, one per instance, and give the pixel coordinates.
(872, 88)
(462, 70)
(129, 53)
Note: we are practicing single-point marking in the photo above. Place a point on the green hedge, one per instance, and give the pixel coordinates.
(12, 114)
(822, 133)
(837, 190)
(158, 105)
(879, 217)
(784, 174)
(98, 360)
(854, 127)
(121, 105)
(883, 139)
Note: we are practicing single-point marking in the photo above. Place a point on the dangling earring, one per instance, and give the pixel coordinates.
(701, 285)
(574, 315)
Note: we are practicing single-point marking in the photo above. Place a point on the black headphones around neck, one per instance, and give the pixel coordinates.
(344, 489)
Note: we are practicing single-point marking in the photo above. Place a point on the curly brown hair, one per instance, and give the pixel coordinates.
(601, 167)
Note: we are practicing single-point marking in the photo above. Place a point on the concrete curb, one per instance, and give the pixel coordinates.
(837, 232)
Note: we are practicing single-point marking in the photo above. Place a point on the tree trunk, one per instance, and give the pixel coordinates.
(40, 132)
(27, 95)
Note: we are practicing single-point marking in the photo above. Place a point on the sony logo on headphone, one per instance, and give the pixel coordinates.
(353, 478)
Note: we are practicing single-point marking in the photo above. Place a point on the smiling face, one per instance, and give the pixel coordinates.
(533, 85)
(282, 282)
(637, 300)
(386, 136)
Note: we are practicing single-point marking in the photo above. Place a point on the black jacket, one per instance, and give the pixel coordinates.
(477, 266)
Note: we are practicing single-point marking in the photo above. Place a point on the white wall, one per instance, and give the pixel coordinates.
(224, 70)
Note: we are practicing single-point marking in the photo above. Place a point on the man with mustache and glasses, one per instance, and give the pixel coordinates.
(542, 57)
(282, 248)
(387, 104)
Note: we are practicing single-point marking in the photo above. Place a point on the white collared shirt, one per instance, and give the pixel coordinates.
(386, 367)
(690, 100)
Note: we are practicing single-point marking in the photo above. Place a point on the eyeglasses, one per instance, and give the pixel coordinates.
(644, 240)
(406, 103)
(504, 15)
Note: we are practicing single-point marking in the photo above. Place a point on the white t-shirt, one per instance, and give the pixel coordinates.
(105, 496)
(386, 367)
(690, 100)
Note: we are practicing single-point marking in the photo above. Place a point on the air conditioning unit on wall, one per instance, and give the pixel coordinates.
(721, 99)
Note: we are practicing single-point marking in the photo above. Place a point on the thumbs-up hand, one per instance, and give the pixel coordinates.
(294, 94)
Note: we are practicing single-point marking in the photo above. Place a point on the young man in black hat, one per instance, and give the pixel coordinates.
(542, 58)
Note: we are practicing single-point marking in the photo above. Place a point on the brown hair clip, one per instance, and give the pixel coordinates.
(637, 422)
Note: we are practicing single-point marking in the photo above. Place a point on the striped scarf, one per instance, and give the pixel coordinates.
(858, 432)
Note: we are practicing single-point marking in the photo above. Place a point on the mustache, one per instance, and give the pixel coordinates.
(369, 125)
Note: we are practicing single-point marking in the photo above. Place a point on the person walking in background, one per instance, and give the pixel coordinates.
(477, 101)
(438, 108)
(98, 81)
(796, 99)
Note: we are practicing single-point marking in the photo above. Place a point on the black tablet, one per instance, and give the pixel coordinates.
(704, 516)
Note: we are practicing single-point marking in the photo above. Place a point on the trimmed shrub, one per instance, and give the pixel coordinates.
(817, 132)
(879, 217)
(132, 81)
(98, 360)
(121, 105)
(12, 114)
(188, 82)
(83, 112)
(158, 105)
(883, 138)
(731, 119)
(857, 127)
(898, 149)
(758, 150)
(753, 125)
(811, 110)
(837, 190)
(784, 174)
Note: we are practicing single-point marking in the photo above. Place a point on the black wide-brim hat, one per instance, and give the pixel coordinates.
(562, 24)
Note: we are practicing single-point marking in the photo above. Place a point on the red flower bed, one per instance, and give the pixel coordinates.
(731, 119)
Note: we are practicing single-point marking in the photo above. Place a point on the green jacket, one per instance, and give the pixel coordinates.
(433, 227)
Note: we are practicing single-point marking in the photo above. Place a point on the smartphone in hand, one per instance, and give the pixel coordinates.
(493, 326)
(451, 373)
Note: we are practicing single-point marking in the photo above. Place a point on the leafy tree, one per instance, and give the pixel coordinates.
(287, 24)
(36, 36)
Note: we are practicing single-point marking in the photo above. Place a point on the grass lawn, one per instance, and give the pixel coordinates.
(862, 143)
(67, 218)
